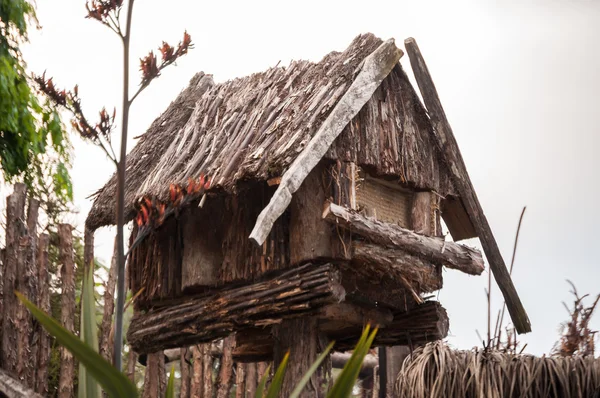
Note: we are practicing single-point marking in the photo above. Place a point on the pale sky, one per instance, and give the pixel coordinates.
(519, 82)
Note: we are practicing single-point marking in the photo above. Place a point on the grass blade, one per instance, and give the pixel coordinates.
(114, 383)
(88, 386)
(277, 382)
(345, 382)
(313, 368)
(171, 384)
(263, 382)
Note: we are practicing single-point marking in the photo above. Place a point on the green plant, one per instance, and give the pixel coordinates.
(34, 148)
(171, 384)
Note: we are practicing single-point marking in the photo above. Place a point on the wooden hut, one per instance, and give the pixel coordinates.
(296, 204)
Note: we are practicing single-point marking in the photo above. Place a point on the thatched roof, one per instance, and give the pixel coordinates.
(253, 128)
(436, 370)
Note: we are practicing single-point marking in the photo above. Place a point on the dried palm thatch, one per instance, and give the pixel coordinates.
(436, 370)
(577, 337)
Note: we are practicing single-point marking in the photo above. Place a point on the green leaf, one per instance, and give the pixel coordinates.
(171, 384)
(263, 382)
(313, 368)
(277, 381)
(345, 382)
(114, 383)
(88, 386)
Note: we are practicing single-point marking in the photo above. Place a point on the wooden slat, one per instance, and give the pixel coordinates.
(453, 159)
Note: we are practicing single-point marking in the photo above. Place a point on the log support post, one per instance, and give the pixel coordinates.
(299, 337)
(67, 362)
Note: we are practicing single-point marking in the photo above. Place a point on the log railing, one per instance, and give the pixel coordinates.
(434, 249)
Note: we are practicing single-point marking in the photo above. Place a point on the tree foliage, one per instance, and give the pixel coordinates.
(33, 145)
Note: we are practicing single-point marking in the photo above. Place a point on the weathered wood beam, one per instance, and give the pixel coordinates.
(451, 154)
(294, 293)
(420, 275)
(10, 388)
(375, 68)
(430, 248)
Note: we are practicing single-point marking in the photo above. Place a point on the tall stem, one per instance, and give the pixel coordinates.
(121, 198)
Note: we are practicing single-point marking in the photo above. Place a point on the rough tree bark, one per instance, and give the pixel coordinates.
(240, 380)
(261, 370)
(184, 367)
(26, 283)
(251, 380)
(15, 229)
(226, 370)
(43, 302)
(67, 363)
(131, 361)
(162, 375)
(207, 371)
(106, 344)
(197, 382)
(152, 382)
(300, 337)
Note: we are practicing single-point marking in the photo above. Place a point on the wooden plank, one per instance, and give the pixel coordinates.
(298, 292)
(374, 69)
(433, 249)
(457, 219)
(421, 215)
(451, 154)
(310, 236)
(202, 234)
